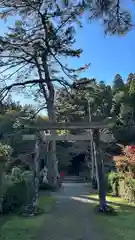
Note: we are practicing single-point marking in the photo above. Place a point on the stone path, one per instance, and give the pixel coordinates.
(72, 218)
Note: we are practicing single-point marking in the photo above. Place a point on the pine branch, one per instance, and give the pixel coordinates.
(9, 87)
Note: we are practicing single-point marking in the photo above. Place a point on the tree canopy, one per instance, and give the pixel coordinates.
(105, 101)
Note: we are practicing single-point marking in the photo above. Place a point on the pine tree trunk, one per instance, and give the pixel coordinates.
(49, 97)
(53, 173)
(100, 171)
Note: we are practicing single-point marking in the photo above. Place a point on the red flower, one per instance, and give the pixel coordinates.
(131, 148)
(62, 174)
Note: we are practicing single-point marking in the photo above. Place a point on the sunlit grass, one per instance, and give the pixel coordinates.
(16, 227)
(120, 227)
(113, 199)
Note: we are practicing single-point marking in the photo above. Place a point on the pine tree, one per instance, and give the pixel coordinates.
(32, 48)
(116, 19)
(118, 83)
(130, 78)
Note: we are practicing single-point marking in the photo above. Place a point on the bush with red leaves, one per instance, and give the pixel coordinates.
(126, 163)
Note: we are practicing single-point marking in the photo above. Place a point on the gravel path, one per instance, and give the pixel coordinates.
(72, 217)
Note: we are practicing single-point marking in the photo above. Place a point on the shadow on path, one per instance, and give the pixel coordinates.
(92, 199)
(72, 218)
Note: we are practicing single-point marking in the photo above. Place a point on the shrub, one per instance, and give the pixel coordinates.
(121, 162)
(126, 162)
(16, 173)
(17, 190)
(124, 182)
(5, 150)
(113, 182)
(15, 196)
(122, 185)
(127, 189)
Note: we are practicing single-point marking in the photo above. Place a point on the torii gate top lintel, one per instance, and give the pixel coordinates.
(66, 126)
(70, 125)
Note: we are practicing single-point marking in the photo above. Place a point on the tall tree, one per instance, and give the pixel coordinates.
(118, 83)
(130, 77)
(75, 104)
(44, 33)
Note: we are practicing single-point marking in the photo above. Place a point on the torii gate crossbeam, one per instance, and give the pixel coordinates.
(69, 125)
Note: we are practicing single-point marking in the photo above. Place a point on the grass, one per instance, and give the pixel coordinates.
(120, 227)
(16, 227)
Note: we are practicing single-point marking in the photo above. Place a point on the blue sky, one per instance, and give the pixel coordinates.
(108, 55)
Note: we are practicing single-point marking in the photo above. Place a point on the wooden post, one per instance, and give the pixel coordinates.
(100, 171)
(95, 161)
(91, 145)
(36, 174)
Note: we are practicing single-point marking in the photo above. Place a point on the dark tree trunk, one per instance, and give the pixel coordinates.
(36, 175)
(100, 171)
(53, 173)
(92, 162)
(32, 208)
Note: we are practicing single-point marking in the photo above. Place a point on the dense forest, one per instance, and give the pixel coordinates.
(115, 101)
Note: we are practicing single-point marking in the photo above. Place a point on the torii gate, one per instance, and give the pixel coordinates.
(66, 126)
(96, 126)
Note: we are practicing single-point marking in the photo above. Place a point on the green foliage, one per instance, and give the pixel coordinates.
(27, 176)
(122, 185)
(16, 173)
(131, 183)
(132, 87)
(84, 92)
(118, 83)
(104, 102)
(17, 189)
(130, 77)
(113, 176)
(5, 150)
(15, 196)
(113, 182)
(52, 23)
(117, 20)
(127, 189)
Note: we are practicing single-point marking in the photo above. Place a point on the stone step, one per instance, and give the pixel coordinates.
(71, 179)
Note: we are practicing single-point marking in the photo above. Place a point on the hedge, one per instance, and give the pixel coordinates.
(127, 189)
(121, 186)
(16, 195)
